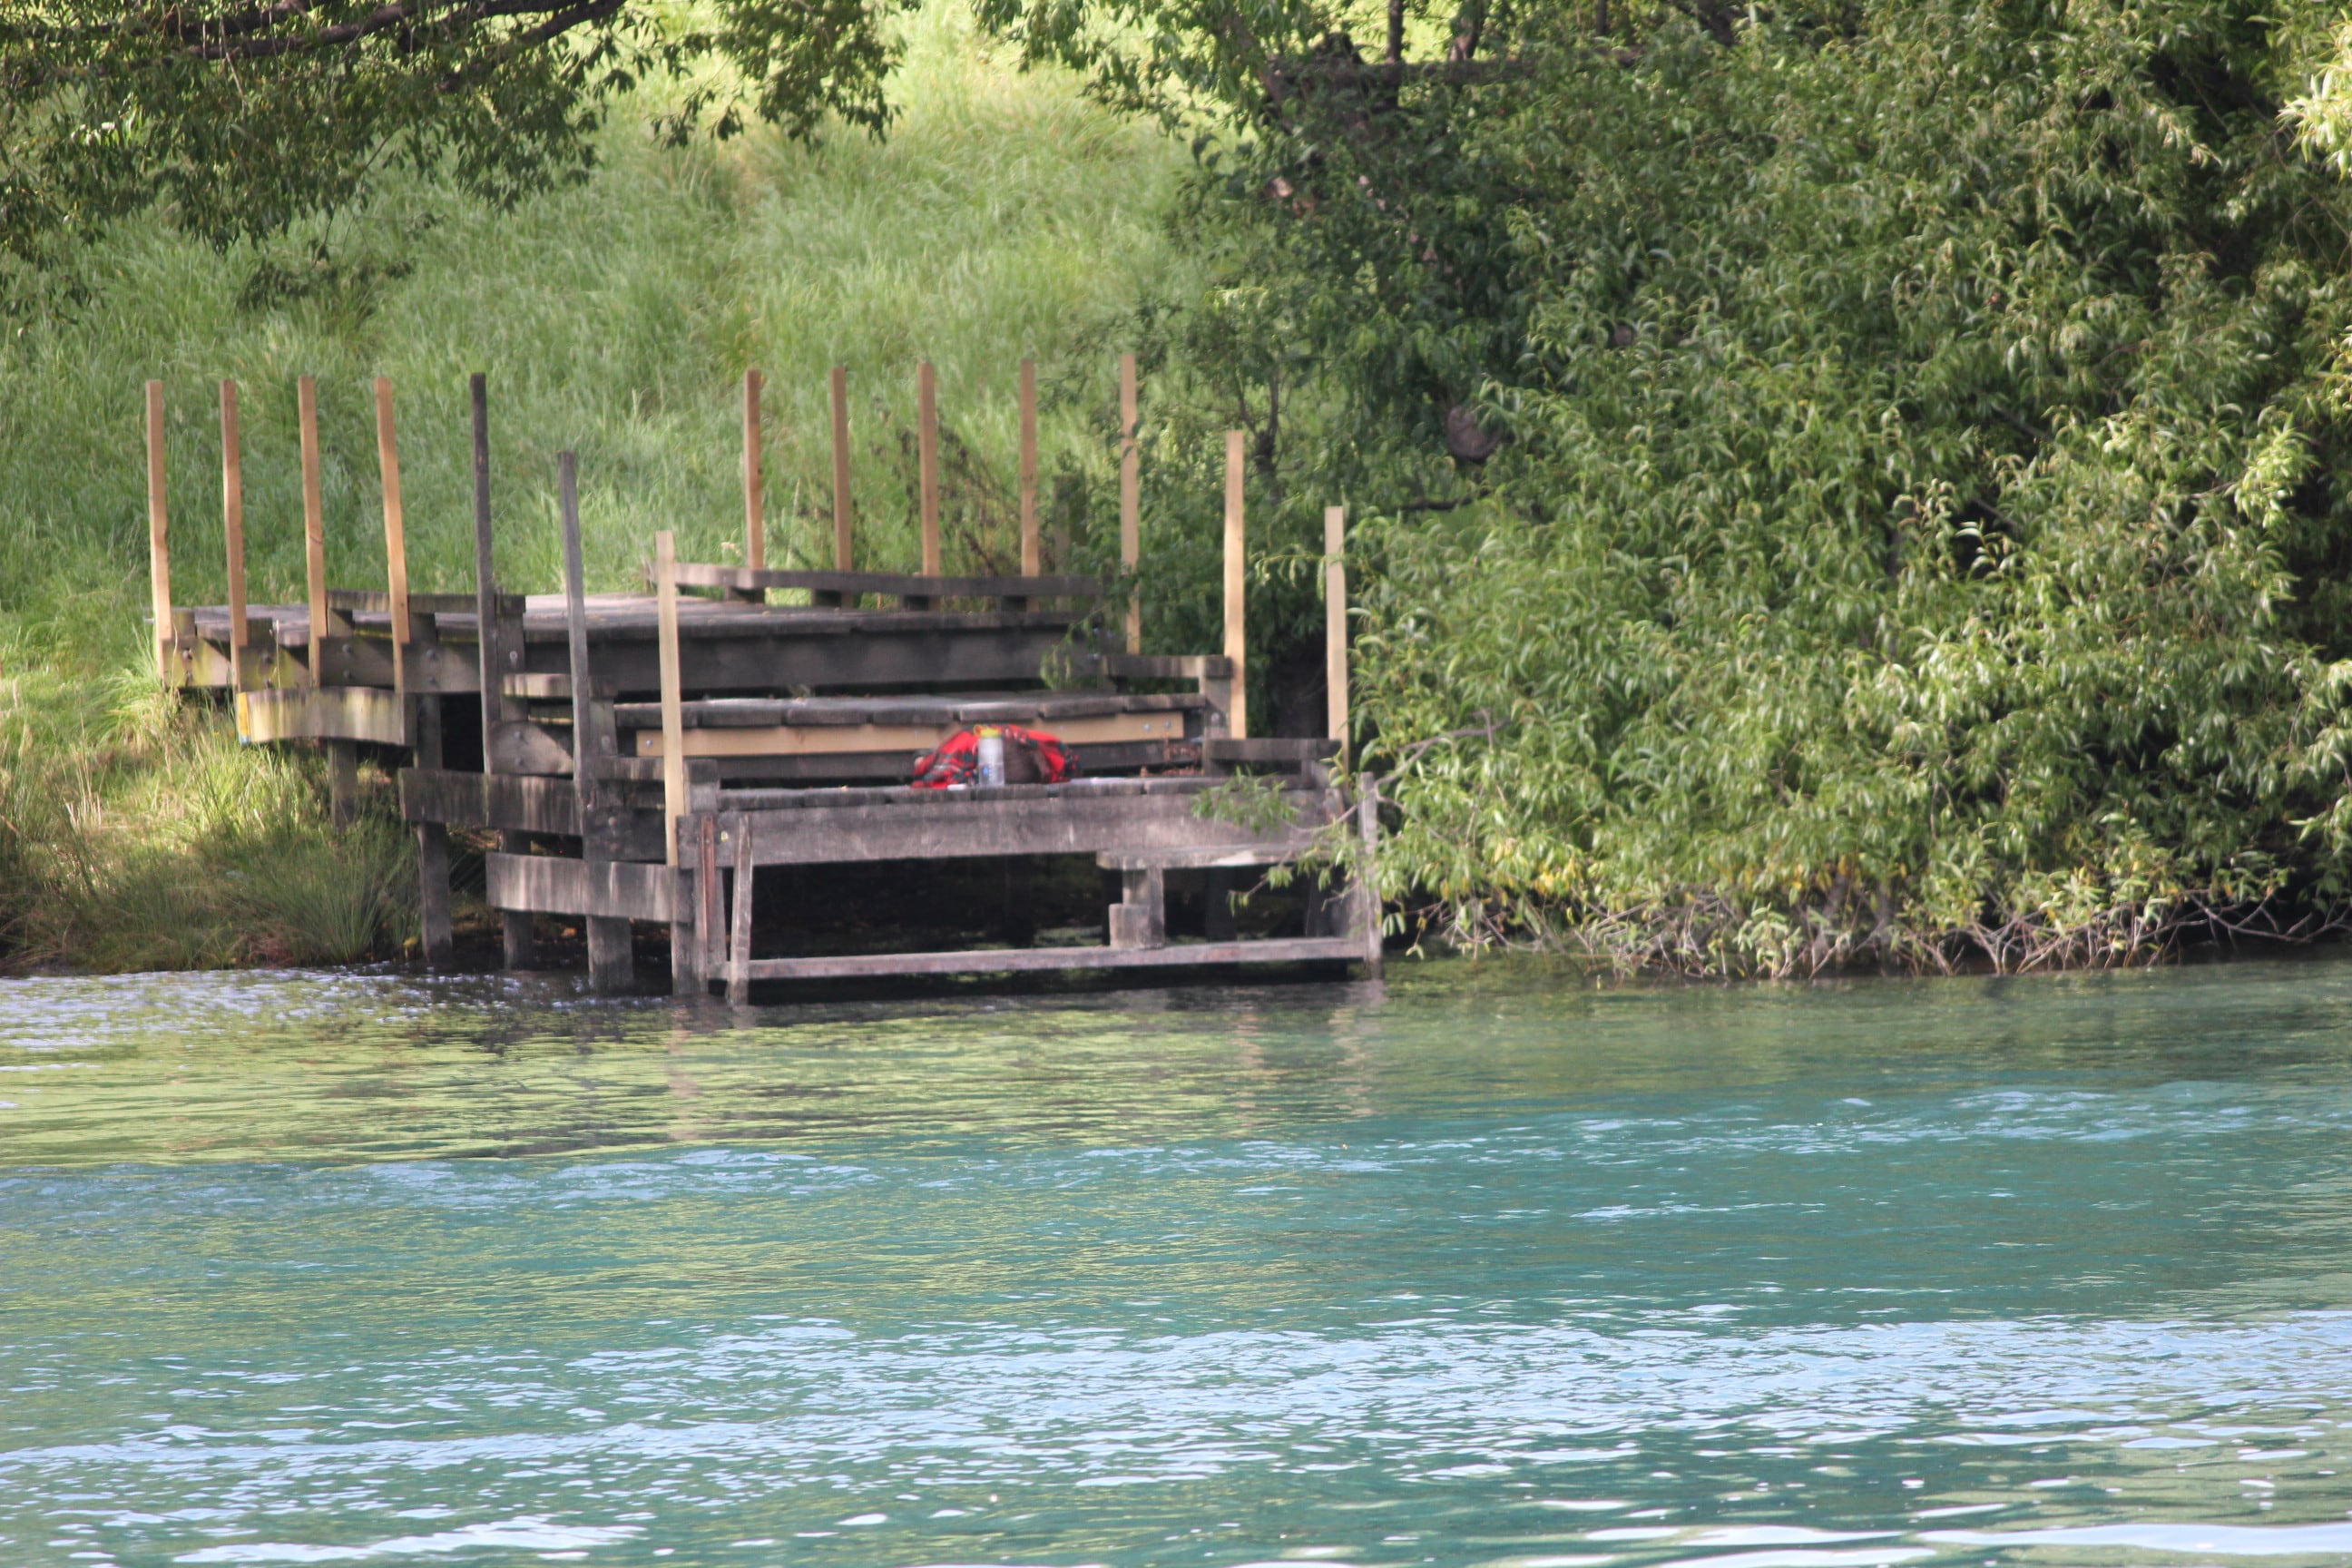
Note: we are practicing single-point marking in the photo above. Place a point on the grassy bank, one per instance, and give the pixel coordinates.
(1004, 217)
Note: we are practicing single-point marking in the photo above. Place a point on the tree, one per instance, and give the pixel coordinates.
(241, 117)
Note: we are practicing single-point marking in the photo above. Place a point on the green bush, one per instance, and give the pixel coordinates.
(1920, 539)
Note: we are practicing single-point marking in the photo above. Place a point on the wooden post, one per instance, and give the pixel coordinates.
(684, 967)
(1130, 499)
(431, 842)
(491, 667)
(1335, 626)
(927, 438)
(233, 526)
(1236, 585)
(1031, 559)
(755, 512)
(1368, 897)
(842, 555)
(395, 537)
(610, 960)
(314, 523)
(517, 937)
(739, 943)
(673, 720)
(159, 536)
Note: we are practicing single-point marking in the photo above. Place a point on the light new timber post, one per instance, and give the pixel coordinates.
(1236, 585)
(842, 516)
(1032, 562)
(610, 962)
(1335, 626)
(232, 528)
(314, 527)
(755, 504)
(494, 659)
(159, 540)
(395, 539)
(1131, 500)
(927, 449)
(685, 964)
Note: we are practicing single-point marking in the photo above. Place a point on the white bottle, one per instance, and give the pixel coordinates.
(991, 761)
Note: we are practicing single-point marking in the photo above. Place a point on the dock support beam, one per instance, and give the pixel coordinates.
(516, 938)
(1140, 917)
(612, 966)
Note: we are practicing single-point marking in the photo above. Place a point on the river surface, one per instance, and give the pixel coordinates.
(1488, 1266)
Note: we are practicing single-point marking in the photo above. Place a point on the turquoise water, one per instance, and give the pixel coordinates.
(1488, 1266)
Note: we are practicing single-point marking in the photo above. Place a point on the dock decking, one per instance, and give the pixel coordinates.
(641, 757)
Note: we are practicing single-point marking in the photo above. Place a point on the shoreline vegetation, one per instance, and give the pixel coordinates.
(1854, 490)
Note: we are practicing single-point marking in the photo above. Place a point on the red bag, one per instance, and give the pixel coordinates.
(1031, 756)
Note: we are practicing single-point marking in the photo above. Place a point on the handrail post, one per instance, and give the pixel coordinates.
(1237, 587)
(1032, 562)
(314, 526)
(159, 537)
(755, 504)
(1335, 626)
(233, 528)
(842, 514)
(1131, 501)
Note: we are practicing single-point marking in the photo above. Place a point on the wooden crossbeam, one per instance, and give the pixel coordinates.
(889, 585)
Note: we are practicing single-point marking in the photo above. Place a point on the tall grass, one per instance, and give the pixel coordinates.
(1004, 217)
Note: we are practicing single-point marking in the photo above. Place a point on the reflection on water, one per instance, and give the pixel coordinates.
(1487, 1268)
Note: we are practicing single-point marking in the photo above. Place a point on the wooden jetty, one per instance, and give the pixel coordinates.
(641, 757)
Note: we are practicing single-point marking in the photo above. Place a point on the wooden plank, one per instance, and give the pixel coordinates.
(1131, 500)
(926, 415)
(672, 726)
(323, 714)
(240, 634)
(896, 765)
(1367, 913)
(159, 540)
(1162, 665)
(842, 516)
(1288, 748)
(755, 506)
(1032, 555)
(1035, 708)
(548, 806)
(606, 889)
(1335, 625)
(1034, 960)
(519, 746)
(1197, 858)
(891, 585)
(395, 537)
(976, 824)
(824, 739)
(1236, 588)
(461, 607)
(314, 523)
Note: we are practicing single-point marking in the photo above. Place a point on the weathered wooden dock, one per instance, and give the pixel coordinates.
(641, 758)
